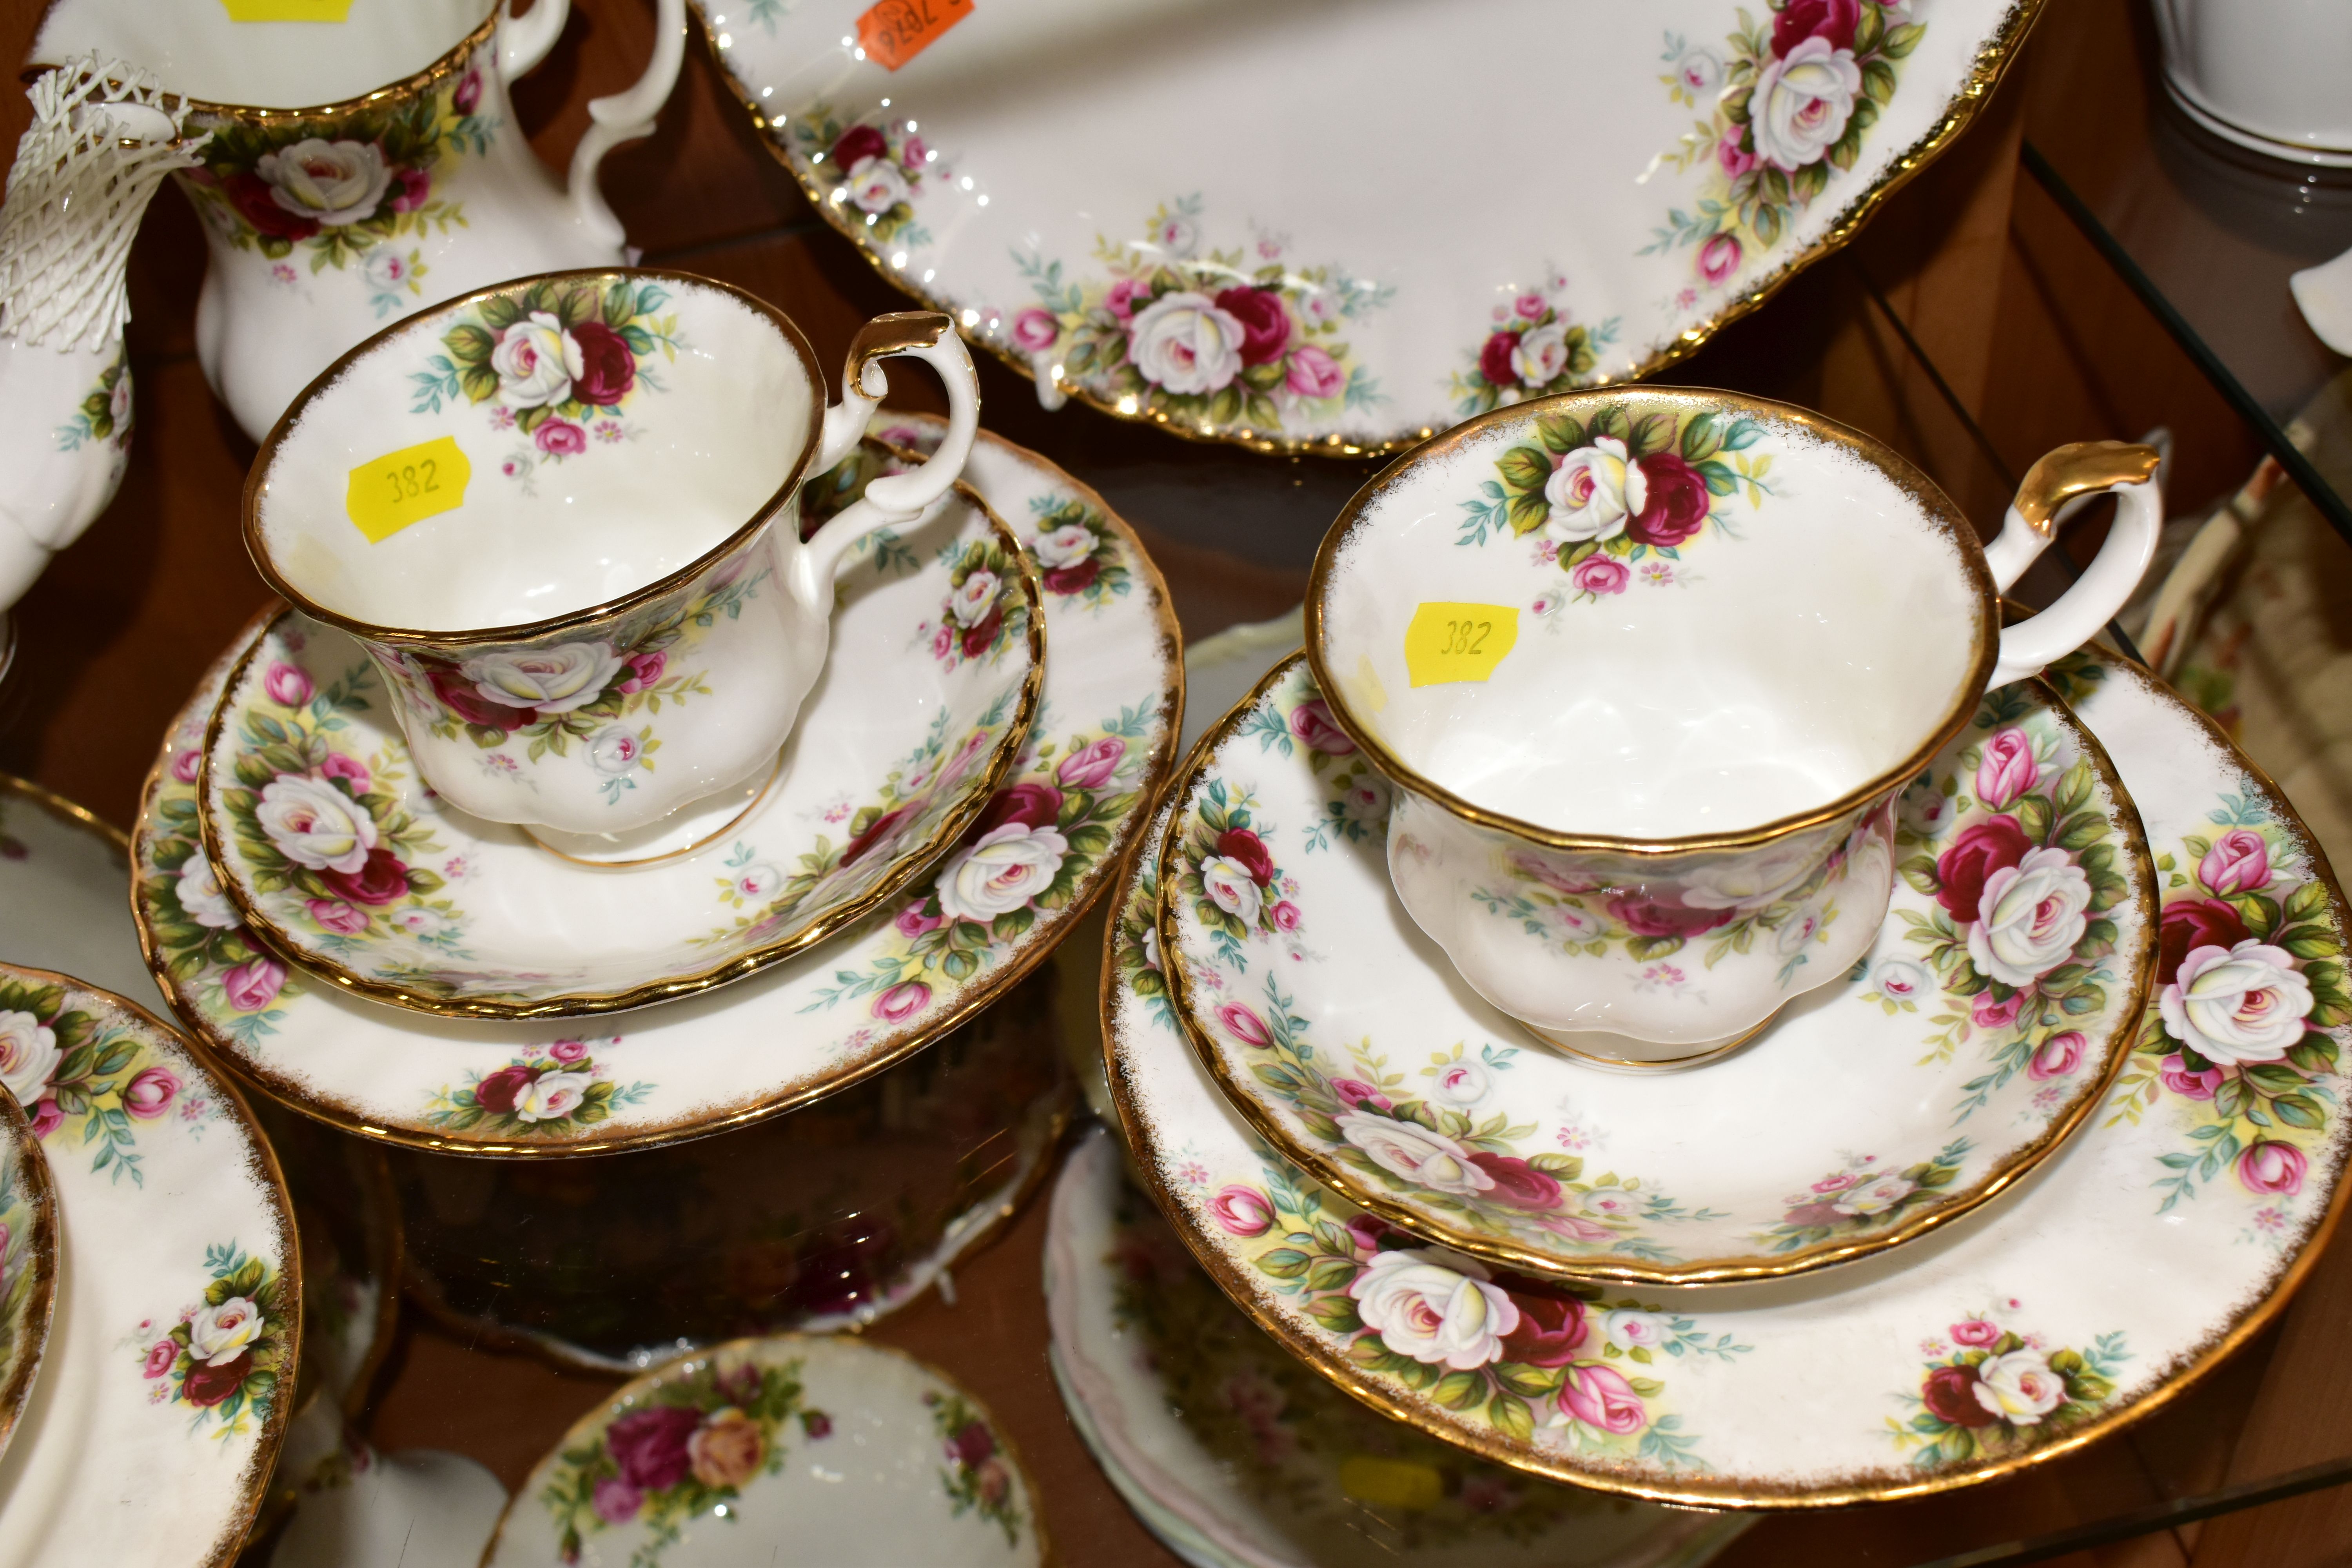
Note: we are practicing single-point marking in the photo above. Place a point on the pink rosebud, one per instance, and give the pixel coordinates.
(1121, 299)
(1601, 1397)
(1531, 306)
(1244, 1026)
(1718, 259)
(1036, 331)
(568, 1051)
(287, 685)
(185, 764)
(416, 190)
(335, 915)
(1365, 1231)
(1987, 1014)
(562, 439)
(2058, 1055)
(912, 153)
(1355, 1094)
(1975, 1331)
(1092, 766)
(351, 769)
(902, 1001)
(913, 922)
(2239, 862)
(252, 987)
(159, 1357)
(1734, 160)
(2174, 1074)
(1285, 916)
(149, 1093)
(46, 1116)
(1242, 1211)
(1312, 722)
(2008, 769)
(2268, 1167)
(468, 96)
(616, 1501)
(644, 670)
(1314, 374)
(1598, 575)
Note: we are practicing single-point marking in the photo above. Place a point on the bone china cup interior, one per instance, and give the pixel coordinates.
(204, 50)
(1648, 667)
(545, 511)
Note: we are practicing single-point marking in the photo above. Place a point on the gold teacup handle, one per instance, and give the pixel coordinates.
(2082, 469)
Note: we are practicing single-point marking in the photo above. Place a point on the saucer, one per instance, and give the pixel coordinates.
(333, 849)
(28, 1261)
(791, 1449)
(355, 1507)
(1234, 1454)
(2158, 1239)
(172, 1354)
(1102, 743)
(1870, 1112)
(62, 872)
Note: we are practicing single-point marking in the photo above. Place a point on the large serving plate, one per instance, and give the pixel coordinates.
(2162, 1237)
(1344, 226)
(826, 1018)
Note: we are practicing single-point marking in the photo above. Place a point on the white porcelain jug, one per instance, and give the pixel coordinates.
(2272, 75)
(408, 184)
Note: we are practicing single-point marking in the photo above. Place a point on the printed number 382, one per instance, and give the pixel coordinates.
(413, 480)
(1466, 637)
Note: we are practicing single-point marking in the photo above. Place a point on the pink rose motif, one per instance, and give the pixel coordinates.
(1838, 1183)
(1601, 1397)
(159, 1357)
(2270, 1167)
(287, 685)
(616, 1500)
(1285, 916)
(1092, 766)
(1976, 1331)
(149, 1093)
(1355, 1093)
(1718, 259)
(1530, 307)
(568, 1051)
(185, 765)
(415, 188)
(1314, 374)
(1242, 1211)
(644, 670)
(2008, 769)
(902, 1001)
(2174, 1074)
(1987, 1014)
(335, 915)
(253, 985)
(1122, 297)
(2057, 1056)
(562, 439)
(46, 1116)
(1365, 1231)
(351, 769)
(468, 96)
(913, 922)
(1312, 722)
(2239, 862)
(915, 153)
(1648, 916)
(648, 1446)
(1598, 575)
(1244, 1026)
(1036, 331)
(1733, 159)
(943, 642)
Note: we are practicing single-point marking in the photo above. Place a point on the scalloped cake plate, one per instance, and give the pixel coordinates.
(1158, 207)
(2160, 1238)
(1873, 1109)
(1102, 743)
(331, 845)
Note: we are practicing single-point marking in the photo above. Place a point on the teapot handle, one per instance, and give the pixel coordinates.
(524, 43)
(894, 500)
(2082, 469)
(624, 117)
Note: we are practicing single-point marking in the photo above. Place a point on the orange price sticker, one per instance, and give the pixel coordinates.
(406, 487)
(893, 32)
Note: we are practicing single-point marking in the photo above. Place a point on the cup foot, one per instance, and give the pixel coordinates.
(681, 833)
(1698, 1056)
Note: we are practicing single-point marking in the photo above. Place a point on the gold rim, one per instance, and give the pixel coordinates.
(41, 1248)
(1992, 60)
(2268, 1301)
(223, 1052)
(910, 861)
(593, 1424)
(262, 1160)
(65, 811)
(1739, 1269)
(1933, 504)
(257, 482)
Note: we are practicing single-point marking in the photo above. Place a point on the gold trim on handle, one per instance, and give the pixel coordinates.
(2080, 469)
(895, 333)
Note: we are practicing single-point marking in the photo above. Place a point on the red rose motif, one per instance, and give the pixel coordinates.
(1676, 503)
(1648, 916)
(1030, 804)
(459, 695)
(880, 831)
(1518, 1184)
(648, 1446)
(1832, 19)
(1495, 360)
(468, 96)
(2191, 925)
(972, 1445)
(1975, 856)
(1551, 1330)
(1249, 851)
(607, 369)
(858, 143)
(1951, 1395)
(1075, 579)
(250, 194)
(416, 190)
(497, 1091)
(382, 880)
(976, 639)
(1265, 324)
(209, 1386)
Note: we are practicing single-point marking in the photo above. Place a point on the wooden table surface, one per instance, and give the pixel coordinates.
(2034, 340)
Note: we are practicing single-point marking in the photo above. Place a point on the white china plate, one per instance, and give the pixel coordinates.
(62, 873)
(1343, 262)
(172, 1354)
(1872, 1109)
(791, 1449)
(1102, 743)
(28, 1261)
(1238, 1457)
(896, 752)
(2127, 1265)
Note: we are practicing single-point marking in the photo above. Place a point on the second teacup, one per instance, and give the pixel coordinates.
(1665, 658)
(559, 514)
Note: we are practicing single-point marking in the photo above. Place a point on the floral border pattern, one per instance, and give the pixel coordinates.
(1992, 1391)
(226, 1354)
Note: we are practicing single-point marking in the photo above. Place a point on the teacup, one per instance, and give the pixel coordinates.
(560, 514)
(364, 161)
(1648, 668)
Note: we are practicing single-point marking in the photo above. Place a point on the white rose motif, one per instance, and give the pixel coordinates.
(1151, 949)
(337, 183)
(385, 271)
(1231, 889)
(1593, 491)
(418, 921)
(1700, 70)
(1462, 1083)
(1629, 1330)
(1611, 1203)
(314, 824)
(1757, 878)
(758, 881)
(1801, 103)
(1406, 1149)
(1184, 342)
(1434, 1307)
(1798, 930)
(972, 600)
(1900, 980)
(2031, 917)
(1540, 356)
(1068, 545)
(536, 362)
(2020, 1387)
(551, 1097)
(551, 679)
(1178, 236)
(28, 1055)
(876, 185)
(1007, 868)
(218, 1334)
(1874, 1198)
(117, 401)
(2237, 1007)
(1578, 923)
(615, 751)
(201, 895)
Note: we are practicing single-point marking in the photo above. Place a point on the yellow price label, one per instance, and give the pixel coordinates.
(407, 486)
(287, 10)
(1458, 642)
